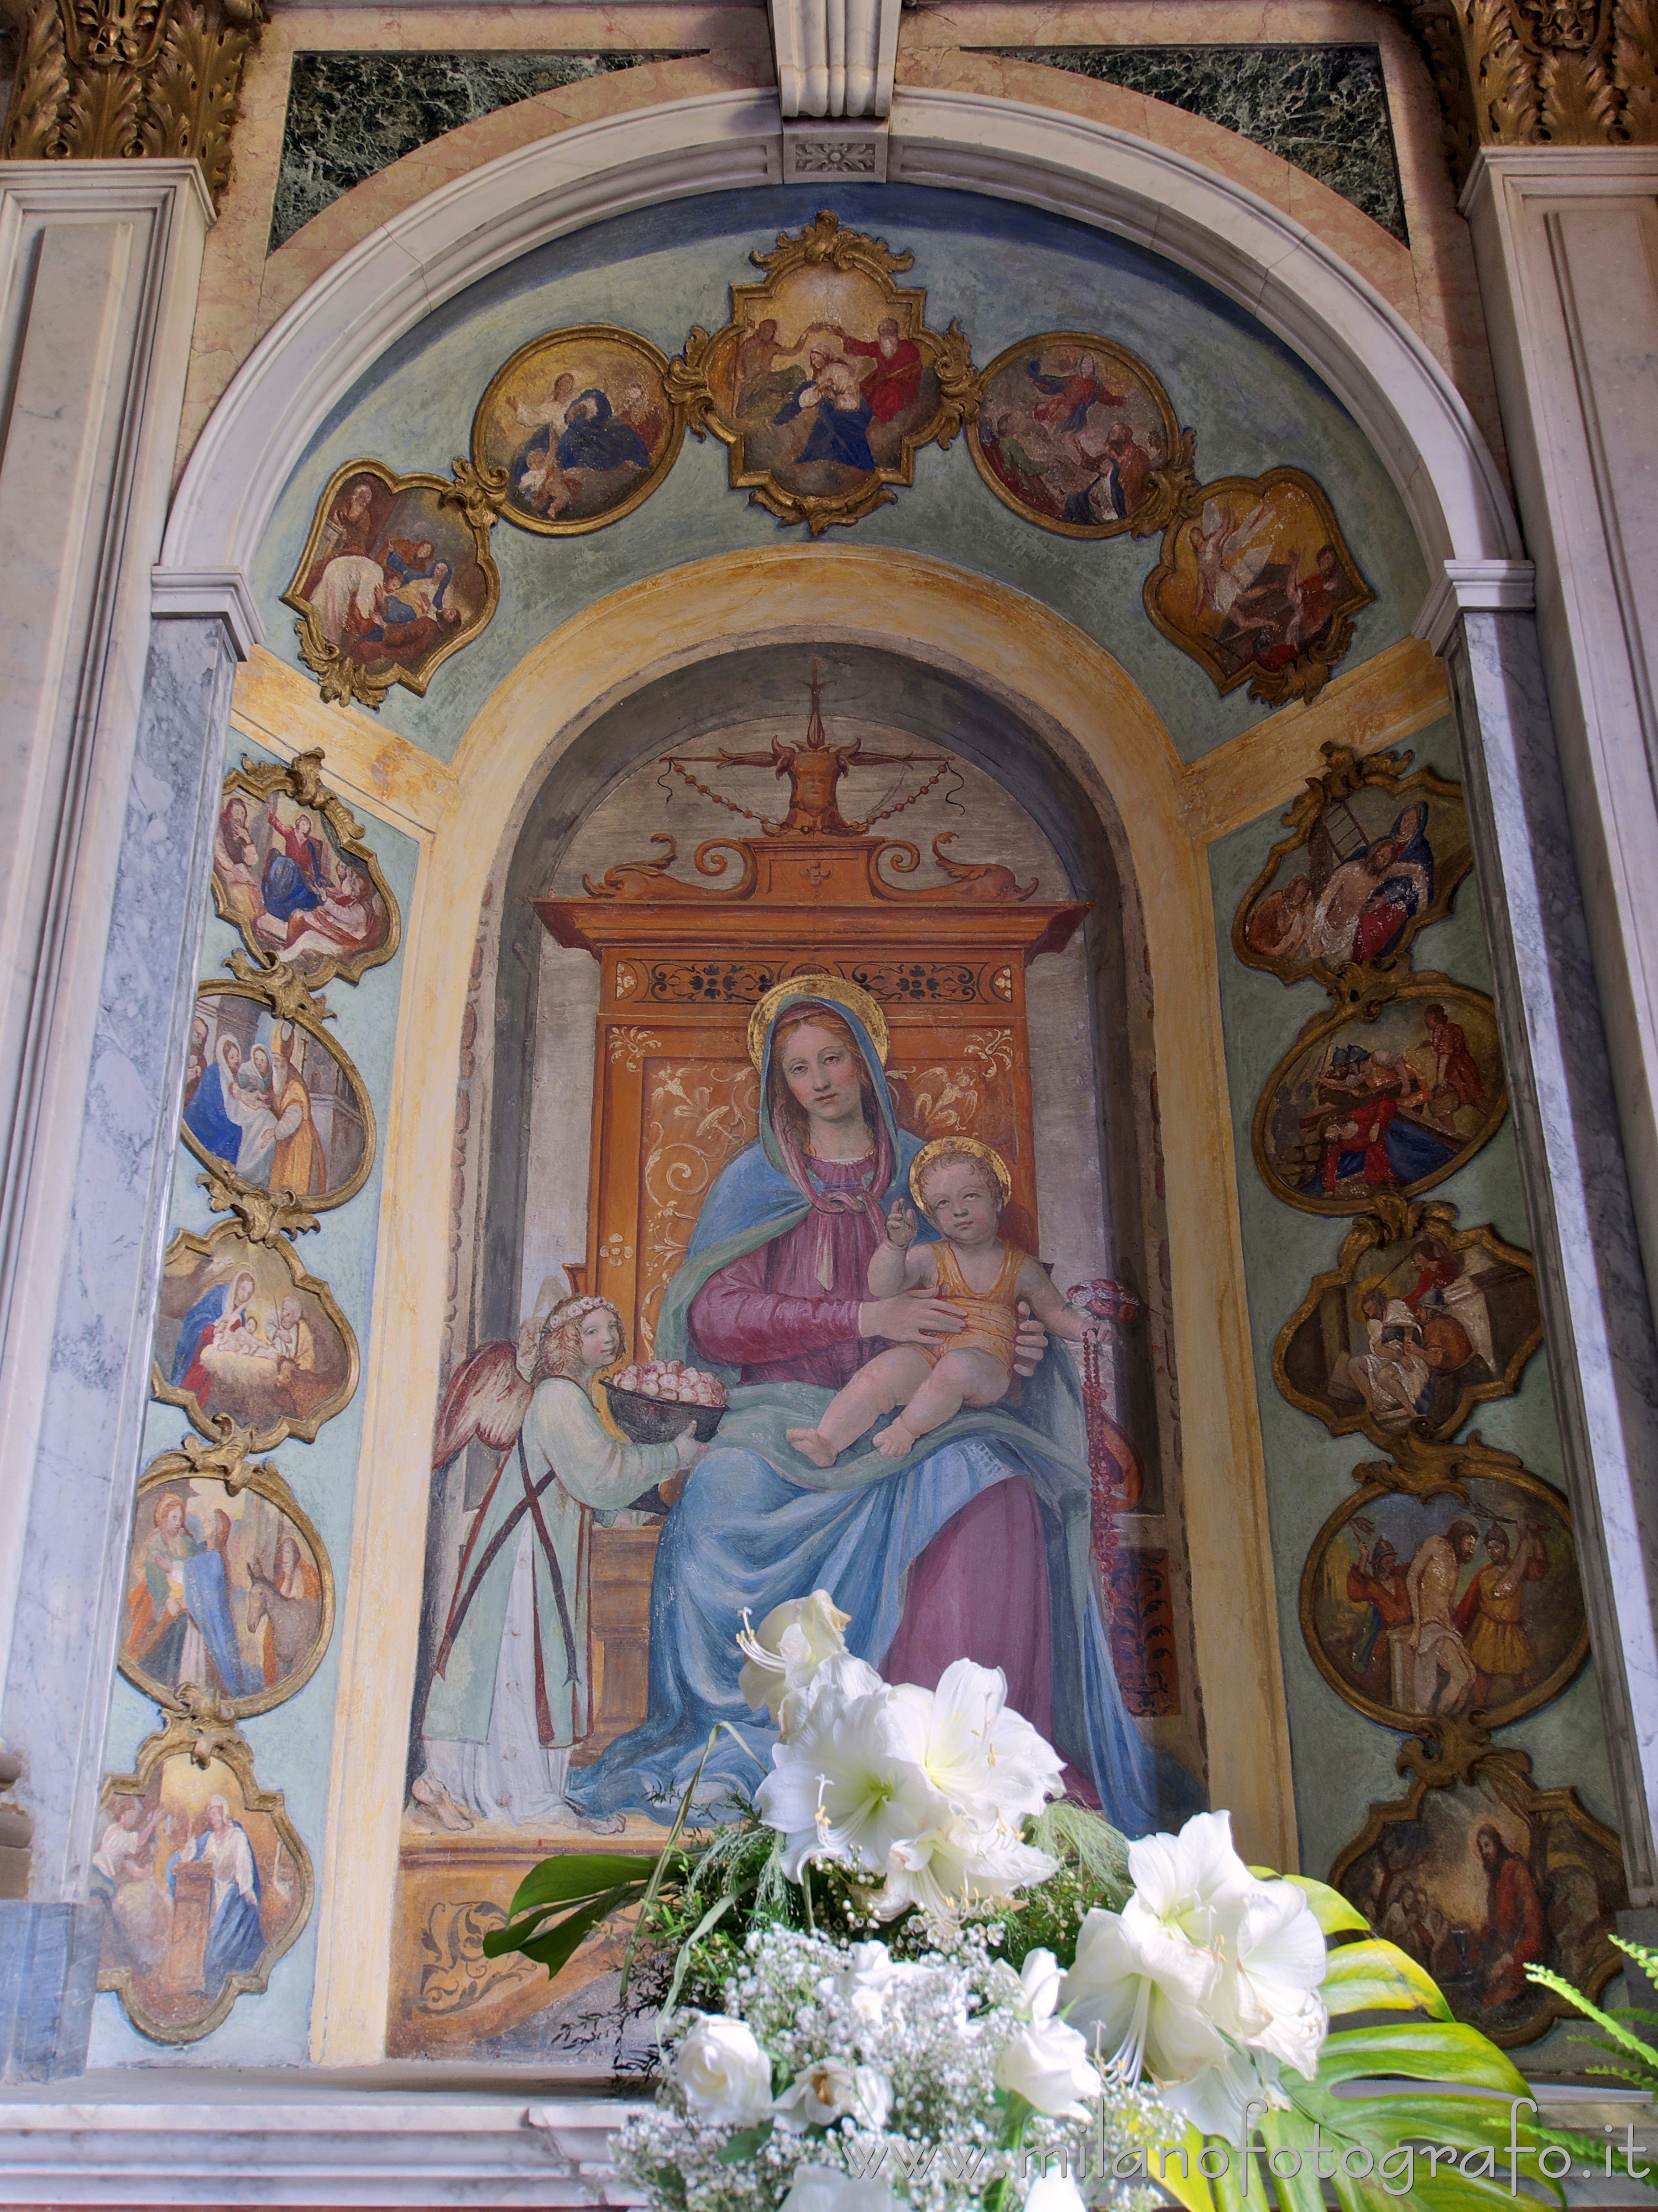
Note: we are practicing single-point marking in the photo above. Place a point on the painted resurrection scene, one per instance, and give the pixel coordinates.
(1259, 585)
(809, 1241)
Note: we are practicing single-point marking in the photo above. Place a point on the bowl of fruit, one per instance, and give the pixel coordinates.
(649, 1400)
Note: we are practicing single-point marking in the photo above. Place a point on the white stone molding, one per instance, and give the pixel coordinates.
(1474, 586)
(99, 267)
(1270, 265)
(834, 57)
(207, 2136)
(1249, 251)
(182, 594)
(829, 152)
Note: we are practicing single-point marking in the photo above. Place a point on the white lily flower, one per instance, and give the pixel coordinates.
(1274, 1962)
(1194, 1880)
(986, 1759)
(725, 2075)
(840, 1789)
(785, 1652)
(828, 2188)
(833, 2090)
(1142, 1988)
(1216, 2099)
(955, 1864)
(1053, 2192)
(1044, 2060)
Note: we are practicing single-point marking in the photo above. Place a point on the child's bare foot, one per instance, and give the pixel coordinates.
(896, 1441)
(812, 1446)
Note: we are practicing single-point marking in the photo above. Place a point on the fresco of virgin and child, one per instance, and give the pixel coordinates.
(974, 1542)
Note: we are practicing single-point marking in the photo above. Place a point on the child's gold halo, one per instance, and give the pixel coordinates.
(942, 1148)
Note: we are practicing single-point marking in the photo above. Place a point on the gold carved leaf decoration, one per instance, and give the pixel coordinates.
(112, 79)
(1538, 72)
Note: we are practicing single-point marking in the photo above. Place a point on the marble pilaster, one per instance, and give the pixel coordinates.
(64, 1626)
(1603, 1360)
(99, 266)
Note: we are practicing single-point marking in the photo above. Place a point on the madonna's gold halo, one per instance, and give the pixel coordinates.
(817, 987)
(939, 1148)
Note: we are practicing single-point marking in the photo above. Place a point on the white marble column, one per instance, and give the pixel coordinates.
(112, 730)
(1603, 1361)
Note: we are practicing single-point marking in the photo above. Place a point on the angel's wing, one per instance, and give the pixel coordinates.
(486, 1402)
(1248, 544)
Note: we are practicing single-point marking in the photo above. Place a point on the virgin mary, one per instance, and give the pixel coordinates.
(974, 1545)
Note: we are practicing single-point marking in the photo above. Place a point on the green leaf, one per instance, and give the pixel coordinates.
(715, 1913)
(1431, 2049)
(1373, 1976)
(1330, 1908)
(555, 1949)
(1613, 2027)
(744, 2145)
(579, 1874)
(519, 1934)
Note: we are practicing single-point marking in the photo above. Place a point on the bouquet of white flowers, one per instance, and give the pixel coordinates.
(839, 2078)
(917, 1977)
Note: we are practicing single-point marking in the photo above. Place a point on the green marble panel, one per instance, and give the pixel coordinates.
(1323, 107)
(352, 114)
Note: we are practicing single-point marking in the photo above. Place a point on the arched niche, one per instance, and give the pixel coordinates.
(1012, 684)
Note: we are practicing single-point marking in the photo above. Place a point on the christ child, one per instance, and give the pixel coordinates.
(961, 1186)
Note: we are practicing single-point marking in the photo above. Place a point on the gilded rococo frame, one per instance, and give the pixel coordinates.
(1399, 1224)
(1323, 1029)
(340, 676)
(650, 357)
(1346, 773)
(1305, 675)
(256, 1199)
(207, 1740)
(1511, 1770)
(263, 1481)
(222, 1237)
(1548, 1500)
(300, 780)
(1168, 485)
(823, 245)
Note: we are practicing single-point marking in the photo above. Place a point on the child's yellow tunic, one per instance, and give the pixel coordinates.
(992, 1319)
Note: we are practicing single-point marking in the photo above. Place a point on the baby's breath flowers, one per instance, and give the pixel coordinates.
(894, 2082)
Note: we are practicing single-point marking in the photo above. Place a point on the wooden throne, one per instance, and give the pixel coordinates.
(676, 1096)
